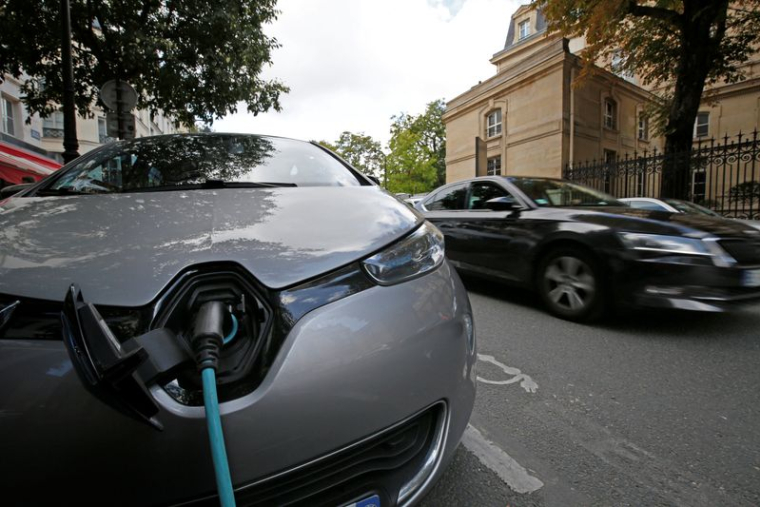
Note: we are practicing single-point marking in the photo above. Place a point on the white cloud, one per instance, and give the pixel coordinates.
(352, 64)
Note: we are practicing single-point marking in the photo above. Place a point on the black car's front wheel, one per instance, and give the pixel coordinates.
(570, 283)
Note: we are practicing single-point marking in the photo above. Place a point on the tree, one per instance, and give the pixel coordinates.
(417, 160)
(680, 45)
(359, 150)
(191, 59)
(747, 191)
(429, 125)
(411, 167)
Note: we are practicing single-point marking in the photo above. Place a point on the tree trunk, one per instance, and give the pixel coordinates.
(702, 29)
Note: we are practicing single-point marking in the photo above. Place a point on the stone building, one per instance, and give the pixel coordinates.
(530, 119)
(44, 136)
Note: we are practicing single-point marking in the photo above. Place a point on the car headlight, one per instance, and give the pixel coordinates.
(418, 253)
(665, 244)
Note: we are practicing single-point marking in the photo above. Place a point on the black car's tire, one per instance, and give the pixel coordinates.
(571, 284)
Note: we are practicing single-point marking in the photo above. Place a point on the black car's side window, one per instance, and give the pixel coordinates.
(480, 193)
(449, 199)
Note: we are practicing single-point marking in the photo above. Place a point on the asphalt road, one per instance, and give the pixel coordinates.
(648, 408)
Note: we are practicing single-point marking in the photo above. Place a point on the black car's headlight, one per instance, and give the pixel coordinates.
(659, 244)
(418, 253)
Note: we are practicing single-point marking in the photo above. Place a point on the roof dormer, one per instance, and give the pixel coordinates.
(527, 22)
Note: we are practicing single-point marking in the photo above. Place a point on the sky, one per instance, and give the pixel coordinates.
(352, 64)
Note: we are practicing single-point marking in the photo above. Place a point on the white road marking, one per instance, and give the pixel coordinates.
(501, 463)
(526, 382)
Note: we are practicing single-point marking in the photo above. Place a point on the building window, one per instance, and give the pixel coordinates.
(698, 186)
(523, 29)
(610, 114)
(52, 126)
(643, 129)
(493, 123)
(9, 121)
(702, 124)
(494, 166)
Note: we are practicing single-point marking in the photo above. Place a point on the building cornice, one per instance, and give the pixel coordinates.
(548, 58)
(524, 46)
(615, 81)
(731, 89)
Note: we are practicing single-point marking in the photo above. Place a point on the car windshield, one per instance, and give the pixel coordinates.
(558, 193)
(690, 207)
(187, 161)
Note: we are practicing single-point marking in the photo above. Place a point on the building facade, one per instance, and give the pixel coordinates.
(45, 135)
(529, 118)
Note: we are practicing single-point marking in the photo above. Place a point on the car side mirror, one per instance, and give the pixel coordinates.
(13, 190)
(502, 204)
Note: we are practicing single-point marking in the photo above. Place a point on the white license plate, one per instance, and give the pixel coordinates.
(751, 278)
(372, 501)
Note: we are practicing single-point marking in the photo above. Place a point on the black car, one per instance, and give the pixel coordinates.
(584, 251)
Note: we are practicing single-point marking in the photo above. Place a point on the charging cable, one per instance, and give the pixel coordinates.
(207, 341)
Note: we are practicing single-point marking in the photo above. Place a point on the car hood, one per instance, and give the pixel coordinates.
(123, 249)
(662, 222)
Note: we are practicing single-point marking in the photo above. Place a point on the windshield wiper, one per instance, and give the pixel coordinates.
(61, 191)
(210, 183)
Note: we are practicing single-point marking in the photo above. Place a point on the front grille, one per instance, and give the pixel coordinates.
(380, 465)
(746, 252)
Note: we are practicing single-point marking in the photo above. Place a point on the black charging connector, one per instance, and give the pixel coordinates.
(208, 334)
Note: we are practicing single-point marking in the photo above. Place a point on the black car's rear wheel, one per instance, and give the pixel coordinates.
(570, 284)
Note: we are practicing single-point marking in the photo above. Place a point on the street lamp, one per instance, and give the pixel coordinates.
(70, 142)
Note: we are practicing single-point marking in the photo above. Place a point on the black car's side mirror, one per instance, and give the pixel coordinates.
(13, 189)
(502, 204)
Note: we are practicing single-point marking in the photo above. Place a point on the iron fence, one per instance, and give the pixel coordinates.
(723, 174)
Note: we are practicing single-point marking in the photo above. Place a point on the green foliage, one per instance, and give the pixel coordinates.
(747, 191)
(411, 168)
(417, 159)
(359, 150)
(192, 59)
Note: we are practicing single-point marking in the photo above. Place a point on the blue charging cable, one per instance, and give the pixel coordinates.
(207, 347)
(233, 331)
(216, 438)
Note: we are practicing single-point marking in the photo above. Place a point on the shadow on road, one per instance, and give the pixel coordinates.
(504, 292)
(681, 323)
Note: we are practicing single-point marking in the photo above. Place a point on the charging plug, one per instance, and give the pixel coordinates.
(208, 334)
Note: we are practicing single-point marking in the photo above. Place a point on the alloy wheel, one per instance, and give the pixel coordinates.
(570, 284)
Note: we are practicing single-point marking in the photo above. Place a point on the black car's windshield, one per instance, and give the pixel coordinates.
(202, 160)
(556, 193)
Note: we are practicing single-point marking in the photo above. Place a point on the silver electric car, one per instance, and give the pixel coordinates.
(341, 339)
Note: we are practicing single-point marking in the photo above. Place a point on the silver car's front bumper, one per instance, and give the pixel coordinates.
(347, 371)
